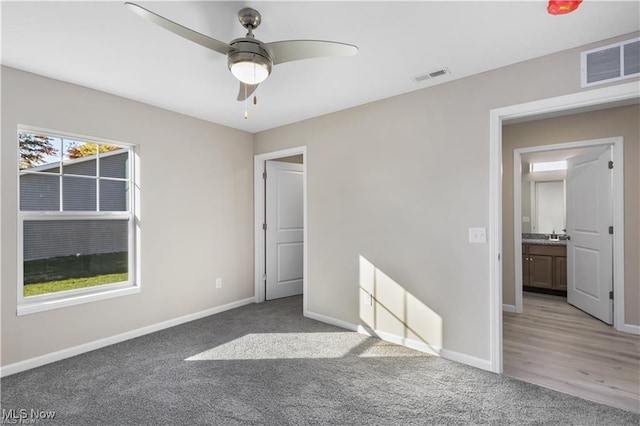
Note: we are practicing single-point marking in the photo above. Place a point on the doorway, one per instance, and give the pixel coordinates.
(557, 339)
(622, 94)
(527, 221)
(290, 165)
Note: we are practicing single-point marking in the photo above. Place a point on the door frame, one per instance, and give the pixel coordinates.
(617, 145)
(259, 219)
(575, 101)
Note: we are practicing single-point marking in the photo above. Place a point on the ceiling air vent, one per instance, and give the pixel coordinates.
(611, 63)
(433, 74)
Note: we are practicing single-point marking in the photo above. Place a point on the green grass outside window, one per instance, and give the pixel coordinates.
(72, 284)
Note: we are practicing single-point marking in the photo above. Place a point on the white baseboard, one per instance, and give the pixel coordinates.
(483, 364)
(509, 308)
(630, 328)
(410, 343)
(38, 361)
(331, 321)
(399, 340)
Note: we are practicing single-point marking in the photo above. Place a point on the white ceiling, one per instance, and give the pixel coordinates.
(102, 45)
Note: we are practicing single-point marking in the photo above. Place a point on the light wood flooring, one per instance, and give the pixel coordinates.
(556, 345)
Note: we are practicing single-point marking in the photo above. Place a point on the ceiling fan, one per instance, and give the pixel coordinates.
(249, 59)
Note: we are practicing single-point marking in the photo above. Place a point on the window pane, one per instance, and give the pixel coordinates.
(78, 194)
(114, 196)
(39, 192)
(114, 162)
(39, 152)
(79, 158)
(63, 255)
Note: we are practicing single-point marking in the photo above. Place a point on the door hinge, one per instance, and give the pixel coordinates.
(611, 164)
(611, 295)
(264, 226)
(264, 277)
(264, 175)
(611, 230)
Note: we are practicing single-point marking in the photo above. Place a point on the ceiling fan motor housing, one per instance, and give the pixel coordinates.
(249, 50)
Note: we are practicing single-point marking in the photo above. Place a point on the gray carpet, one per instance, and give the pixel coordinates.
(266, 364)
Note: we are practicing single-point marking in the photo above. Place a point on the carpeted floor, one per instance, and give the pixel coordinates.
(266, 364)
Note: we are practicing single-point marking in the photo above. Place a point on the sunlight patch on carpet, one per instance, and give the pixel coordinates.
(303, 346)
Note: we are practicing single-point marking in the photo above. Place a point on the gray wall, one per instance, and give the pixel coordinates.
(393, 187)
(196, 213)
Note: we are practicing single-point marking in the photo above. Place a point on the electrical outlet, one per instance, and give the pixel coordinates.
(218, 282)
(367, 300)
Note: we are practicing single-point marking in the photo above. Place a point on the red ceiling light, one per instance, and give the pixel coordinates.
(560, 7)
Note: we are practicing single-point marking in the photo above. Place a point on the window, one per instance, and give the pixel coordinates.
(550, 166)
(76, 220)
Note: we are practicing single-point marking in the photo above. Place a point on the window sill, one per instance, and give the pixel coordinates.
(47, 305)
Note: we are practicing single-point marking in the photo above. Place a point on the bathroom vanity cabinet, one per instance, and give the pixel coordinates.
(544, 267)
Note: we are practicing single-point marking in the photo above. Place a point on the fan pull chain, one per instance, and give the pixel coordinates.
(246, 113)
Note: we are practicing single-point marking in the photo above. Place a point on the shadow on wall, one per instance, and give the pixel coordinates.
(389, 311)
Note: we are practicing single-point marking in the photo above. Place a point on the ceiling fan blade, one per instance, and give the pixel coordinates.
(295, 50)
(244, 94)
(178, 29)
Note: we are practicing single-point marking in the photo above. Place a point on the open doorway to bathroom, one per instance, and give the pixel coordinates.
(547, 341)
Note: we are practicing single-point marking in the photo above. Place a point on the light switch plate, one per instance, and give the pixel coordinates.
(525, 219)
(477, 235)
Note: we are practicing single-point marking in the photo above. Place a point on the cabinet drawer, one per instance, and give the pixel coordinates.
(547, 250)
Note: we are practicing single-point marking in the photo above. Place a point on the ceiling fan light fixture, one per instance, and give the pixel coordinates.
(250, 72)
(249, 62)
(249, 59)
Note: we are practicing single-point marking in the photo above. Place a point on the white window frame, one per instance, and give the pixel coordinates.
(45, 302)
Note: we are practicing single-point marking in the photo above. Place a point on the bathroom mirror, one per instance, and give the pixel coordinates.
(548, 207)
(543, 206)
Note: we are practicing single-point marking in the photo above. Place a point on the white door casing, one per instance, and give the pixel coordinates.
(285, 229)
(590, 248)
(565, 103)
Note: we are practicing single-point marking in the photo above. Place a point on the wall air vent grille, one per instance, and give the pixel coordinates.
(433, 74)
(611, 63)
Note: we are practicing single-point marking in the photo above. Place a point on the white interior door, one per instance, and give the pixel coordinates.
(590, 249)
(284, 234)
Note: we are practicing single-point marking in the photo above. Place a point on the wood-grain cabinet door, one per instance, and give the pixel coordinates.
(541, 271)
(560, 273)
